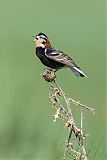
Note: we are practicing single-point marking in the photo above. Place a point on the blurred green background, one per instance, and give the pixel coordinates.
(26, 116)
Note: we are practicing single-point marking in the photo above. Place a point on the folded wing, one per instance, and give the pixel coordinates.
(63, 58)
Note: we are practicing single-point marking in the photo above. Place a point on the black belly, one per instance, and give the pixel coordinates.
(47, 61)
(51, 63)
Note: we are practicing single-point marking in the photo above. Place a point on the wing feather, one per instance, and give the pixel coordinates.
(63, 58)
(60, 56)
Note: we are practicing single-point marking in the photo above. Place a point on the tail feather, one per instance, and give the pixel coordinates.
(77, 71)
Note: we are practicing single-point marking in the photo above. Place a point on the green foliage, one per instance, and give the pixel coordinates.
(26, 126)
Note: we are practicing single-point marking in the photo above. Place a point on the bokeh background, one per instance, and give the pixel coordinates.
(26, 116)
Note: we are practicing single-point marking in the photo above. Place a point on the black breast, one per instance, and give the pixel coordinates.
(40, 52)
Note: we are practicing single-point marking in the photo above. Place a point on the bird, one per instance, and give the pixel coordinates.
(53, 58)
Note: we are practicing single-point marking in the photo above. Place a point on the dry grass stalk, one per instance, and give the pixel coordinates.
(64, 112)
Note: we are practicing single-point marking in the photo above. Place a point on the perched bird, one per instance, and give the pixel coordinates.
(53, 58)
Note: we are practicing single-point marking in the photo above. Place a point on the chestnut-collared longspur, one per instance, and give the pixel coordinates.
(53, 58)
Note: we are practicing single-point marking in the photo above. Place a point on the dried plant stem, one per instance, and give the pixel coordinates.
(66, 101)
(64, 112)
(65, 98)
(83, 148)
(72, 126)
(81, 105)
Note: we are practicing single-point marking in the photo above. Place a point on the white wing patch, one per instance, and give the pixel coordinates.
(60, 57)
(54, 53)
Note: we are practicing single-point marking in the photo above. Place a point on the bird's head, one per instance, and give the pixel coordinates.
(41, 40)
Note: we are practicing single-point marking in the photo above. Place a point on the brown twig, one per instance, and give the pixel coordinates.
(65, 113)
(81, 105)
